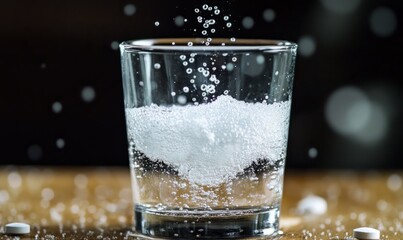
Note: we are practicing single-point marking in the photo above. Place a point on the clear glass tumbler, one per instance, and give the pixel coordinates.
(207, 125)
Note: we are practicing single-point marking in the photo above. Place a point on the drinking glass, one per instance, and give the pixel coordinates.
(207, 125)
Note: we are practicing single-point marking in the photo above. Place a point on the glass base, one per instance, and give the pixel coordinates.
(201, 224)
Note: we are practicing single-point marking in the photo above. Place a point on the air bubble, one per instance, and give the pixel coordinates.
(209, 39)
(211, 22)
(212, 30)
(190, 44)
(173, 94)
(185, 89)
(182, 100)
(206, 73)
(206, 25)
(226, 18)
(157, 66)
(200, 69)
(226, 92)
(192, 81)
(232, 39)
(157, 23)
(204, 32)
(205, 7)
(197, 10)
(216, 12)
(229, 24)
(189, 71)
(185, 63)
(182, 57)
(234, 59)
(191, 60)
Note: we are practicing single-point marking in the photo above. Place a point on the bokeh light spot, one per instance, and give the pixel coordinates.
(383, 22)
(34, 152)
(306, 46)
(57, 107)
(115, 45)
(129, 9)
(341, 6)
(88, 94)
(179, 21)
(269, 15)
(60, 143)
(248, 22)
(312, 152)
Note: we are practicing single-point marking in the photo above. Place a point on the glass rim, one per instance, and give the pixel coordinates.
(198, 44)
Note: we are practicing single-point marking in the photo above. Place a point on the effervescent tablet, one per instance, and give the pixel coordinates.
(367, 233)
(16, 228)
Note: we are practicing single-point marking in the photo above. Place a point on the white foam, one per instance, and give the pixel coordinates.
(211, 143)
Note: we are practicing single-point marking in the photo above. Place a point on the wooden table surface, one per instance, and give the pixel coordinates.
(95, 203)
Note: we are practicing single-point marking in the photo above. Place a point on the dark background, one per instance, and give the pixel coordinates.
(61, 97)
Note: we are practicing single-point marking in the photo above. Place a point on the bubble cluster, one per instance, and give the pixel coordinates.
(213, 141)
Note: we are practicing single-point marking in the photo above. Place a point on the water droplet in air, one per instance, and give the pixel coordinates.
(157, 66)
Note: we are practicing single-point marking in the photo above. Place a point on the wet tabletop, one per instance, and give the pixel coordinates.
(95, 203)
